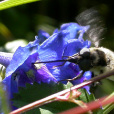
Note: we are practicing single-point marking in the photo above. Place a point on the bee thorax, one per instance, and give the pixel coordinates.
(98, 57)
(103, 61)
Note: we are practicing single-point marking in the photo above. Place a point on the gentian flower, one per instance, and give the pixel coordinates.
(64, 42)
(21, 69)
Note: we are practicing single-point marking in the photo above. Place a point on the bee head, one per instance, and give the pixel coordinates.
(92, 57)
(84, 60)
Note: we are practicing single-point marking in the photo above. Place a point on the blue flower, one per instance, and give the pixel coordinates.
(64, 42)
(21, 69)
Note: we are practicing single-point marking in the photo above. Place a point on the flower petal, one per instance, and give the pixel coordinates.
(53, 47)
(42, 36)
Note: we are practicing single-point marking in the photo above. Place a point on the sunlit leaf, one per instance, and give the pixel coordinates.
(11, 3)
(4, 107)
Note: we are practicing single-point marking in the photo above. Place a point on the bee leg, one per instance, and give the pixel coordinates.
(65, 56)
(70, 57)
(78, 76)
(59, 65)
(96, 83)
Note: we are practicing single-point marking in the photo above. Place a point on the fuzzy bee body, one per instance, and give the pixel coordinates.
(96, 59)
(101, 59)
(103, 62)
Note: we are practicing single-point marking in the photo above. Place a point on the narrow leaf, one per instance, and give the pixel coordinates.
(11, 3)
(4, 107)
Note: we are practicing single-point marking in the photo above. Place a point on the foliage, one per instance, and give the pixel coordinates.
(11, 3)
(37, 91)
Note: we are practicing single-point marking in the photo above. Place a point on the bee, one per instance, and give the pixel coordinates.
(96, 59)
(101, 59)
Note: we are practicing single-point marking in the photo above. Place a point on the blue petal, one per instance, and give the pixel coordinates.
(21, 55)
(44, 75)
(73, 29)
(73, 47)
(53, 47)
(55, 31)
(5, 58)
(68, 71)
(42, 36)
(87, 76)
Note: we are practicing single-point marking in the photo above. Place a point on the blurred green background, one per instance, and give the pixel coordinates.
(24, 21)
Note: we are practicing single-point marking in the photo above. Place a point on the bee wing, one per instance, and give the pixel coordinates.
(91, 17)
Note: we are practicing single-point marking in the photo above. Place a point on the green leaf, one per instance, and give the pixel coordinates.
(33, 92)
(2, 72)
(4, 107)
(108, 107)
(37, 91)
(11, 3)
(98, 111)
(85, 97)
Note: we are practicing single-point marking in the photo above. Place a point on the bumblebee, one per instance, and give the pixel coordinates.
(96, 59)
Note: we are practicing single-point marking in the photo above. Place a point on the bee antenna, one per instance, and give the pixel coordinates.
(51, 61)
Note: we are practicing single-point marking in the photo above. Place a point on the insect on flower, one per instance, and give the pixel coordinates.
(96, 59)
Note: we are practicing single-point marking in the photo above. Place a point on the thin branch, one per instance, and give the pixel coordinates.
(52, 97)
(90, 106)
